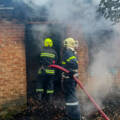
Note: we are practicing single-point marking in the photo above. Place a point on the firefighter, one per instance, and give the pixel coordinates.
(70, 62)
(46, 75)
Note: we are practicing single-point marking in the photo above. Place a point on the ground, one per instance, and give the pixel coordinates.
(56, 111)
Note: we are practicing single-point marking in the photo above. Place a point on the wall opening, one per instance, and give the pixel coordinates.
(35, 34)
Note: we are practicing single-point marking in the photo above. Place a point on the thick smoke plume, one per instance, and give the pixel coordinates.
(102, 37)
(39, 32)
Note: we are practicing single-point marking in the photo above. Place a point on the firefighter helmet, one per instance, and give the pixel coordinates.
(48, 42)
(69, 43)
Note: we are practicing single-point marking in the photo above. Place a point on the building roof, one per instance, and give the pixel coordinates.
(10, 9)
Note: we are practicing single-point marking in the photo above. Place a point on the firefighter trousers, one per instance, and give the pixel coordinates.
(45, 86)
(71, 101)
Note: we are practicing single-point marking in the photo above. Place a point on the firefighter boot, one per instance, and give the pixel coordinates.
(64, 118)
(50, 98)
(73, 112)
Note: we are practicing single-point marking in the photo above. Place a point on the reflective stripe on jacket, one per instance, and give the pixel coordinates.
(47, 71)
(50, 55)
(50, 91)
(39, 90)
(72, 103)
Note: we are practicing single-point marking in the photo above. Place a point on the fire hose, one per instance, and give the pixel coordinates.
(85, 91)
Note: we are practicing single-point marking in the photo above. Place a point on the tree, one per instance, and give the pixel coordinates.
(110, 9)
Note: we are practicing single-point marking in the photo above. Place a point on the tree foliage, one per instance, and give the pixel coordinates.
(110, 9)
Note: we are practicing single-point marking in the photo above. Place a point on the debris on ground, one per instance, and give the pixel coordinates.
(56, 110)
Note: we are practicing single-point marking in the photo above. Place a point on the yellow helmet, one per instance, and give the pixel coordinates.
(69, 43)
(48, 42)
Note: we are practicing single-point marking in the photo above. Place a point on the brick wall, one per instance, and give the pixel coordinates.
(117, 79)
(83, 60)
(12, 63)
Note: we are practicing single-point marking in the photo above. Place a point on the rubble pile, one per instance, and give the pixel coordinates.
(56, 111)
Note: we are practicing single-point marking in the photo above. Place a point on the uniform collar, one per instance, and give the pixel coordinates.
(71, 49)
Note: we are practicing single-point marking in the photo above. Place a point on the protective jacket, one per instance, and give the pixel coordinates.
(69, 60)
(47, 56)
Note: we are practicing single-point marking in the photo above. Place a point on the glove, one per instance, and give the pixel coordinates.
(70, 74)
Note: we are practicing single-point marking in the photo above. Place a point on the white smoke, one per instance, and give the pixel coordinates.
(104, 68)
(34, 3)
(96, 2)
(82, 15)
(39, 32)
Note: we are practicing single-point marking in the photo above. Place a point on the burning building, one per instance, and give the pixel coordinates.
(21, 35)
(20, 41)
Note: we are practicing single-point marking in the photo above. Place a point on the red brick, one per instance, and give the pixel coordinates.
(12, 61)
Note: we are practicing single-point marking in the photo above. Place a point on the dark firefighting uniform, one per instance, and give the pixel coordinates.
(70, 62)
(46, 75)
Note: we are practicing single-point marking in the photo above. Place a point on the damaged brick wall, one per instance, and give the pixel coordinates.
(12, 64)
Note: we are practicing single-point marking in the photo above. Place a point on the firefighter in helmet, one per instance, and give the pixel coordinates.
(46, 75)
(70, 62)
